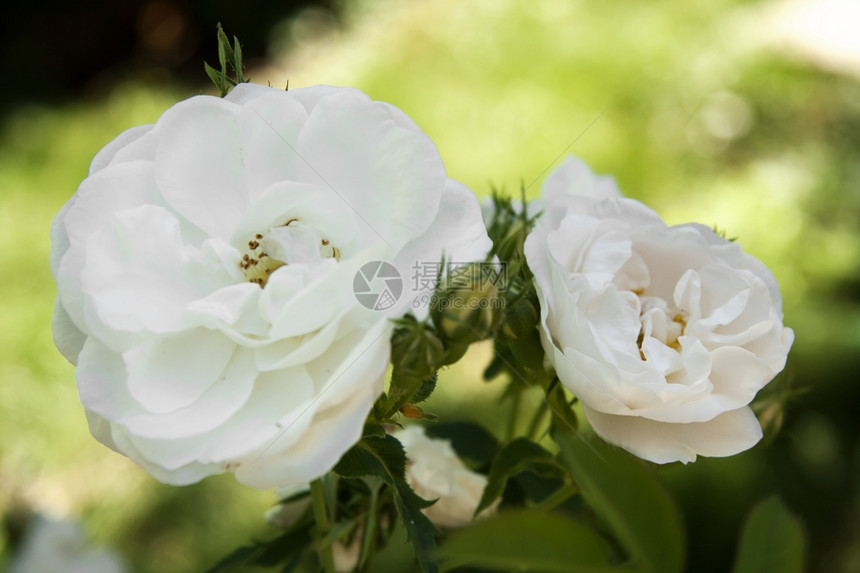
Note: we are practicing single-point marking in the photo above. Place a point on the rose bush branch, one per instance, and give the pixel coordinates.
(321, 516)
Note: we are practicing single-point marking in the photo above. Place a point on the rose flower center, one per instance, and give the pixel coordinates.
(661, 322)
(291, 242)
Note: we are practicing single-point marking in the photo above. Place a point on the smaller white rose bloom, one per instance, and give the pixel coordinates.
(434, 471)
(664, 333)
(59, 546)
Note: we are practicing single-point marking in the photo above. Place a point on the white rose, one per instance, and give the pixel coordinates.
(205, 274)
(664, 333)
(434, 471)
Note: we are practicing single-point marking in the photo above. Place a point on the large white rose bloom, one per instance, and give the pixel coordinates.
(205, 274)
(435, 471)
(664, 333)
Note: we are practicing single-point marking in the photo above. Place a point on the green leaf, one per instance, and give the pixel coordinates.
(286, 548)
(772, 541)
(528, 540)
(384, 457)
(517, 456)
(628, 497)
(294, 562)
(539, 488)
(363, 459)
(471, 441)
(373, 428)
(396, 556)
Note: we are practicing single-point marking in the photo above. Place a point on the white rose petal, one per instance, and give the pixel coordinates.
(205, 277)
(665, 334)
(435, 472)
(574, 176)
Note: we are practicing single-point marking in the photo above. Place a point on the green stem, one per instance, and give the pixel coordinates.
(536, 420)
(561, 409)
(367, 545)
(515, 412)
(323, 525)
(557, 498)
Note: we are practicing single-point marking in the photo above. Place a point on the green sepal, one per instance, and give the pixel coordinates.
(463, 307)
(218, 78)
(228, 56)
(521, 317)
(425, 389)
(454, 351)
(237, 58)
(528, 352)
(508, 229)
(416, 353)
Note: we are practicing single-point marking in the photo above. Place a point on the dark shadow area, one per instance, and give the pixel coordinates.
(54, 52)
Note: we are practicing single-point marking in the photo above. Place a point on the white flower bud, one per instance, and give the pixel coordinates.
(434, 471)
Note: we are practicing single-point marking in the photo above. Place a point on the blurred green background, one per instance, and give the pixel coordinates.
(731, 113)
